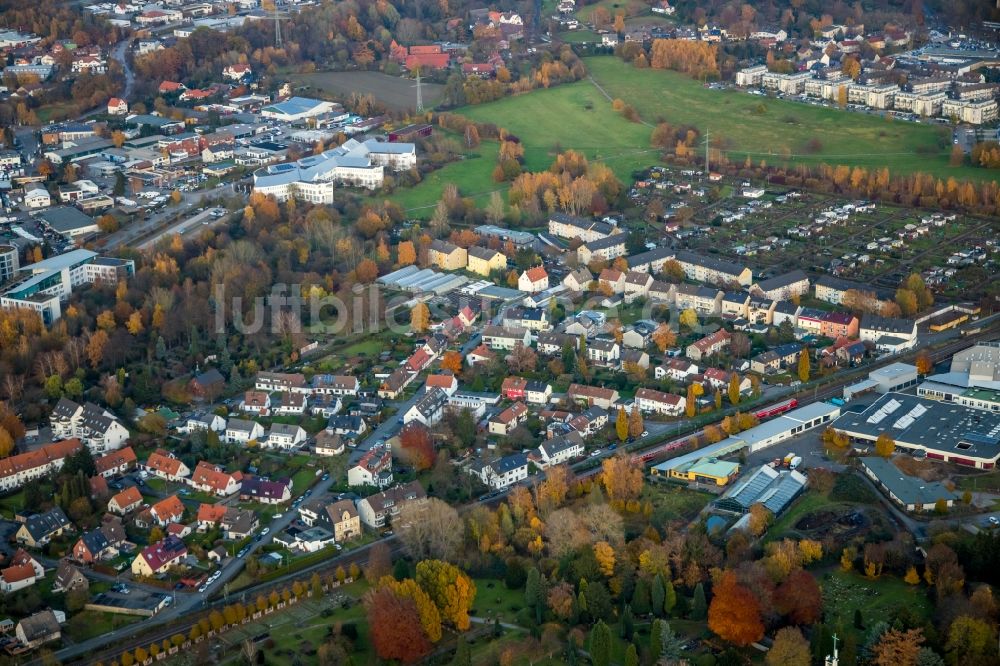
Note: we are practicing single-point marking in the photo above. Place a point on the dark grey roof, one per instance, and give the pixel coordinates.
(712, 263)
(909, 489)
(785, 280)
(66, 219)
(41, 525)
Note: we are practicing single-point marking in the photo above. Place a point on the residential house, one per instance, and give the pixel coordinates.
(709, 345)
(537, 392)
(394, 385)
(209, 515)
(558, 450)
(242, 431)
(634, 358)
(503, 472)
(166, 466)
(97, 428)
(736, 305)
(657, 402)
(126, 501)
(533, 280)
(293, 404)
(117, 107)
(785, 311)
(328, 443)
(38, 629)
(214, 479)
(284, 436)
(570, 227)
(533, 319)
(778, 358)
(275, 382)
(38, 529)
(637, 285)
(447, 256)
(507, 420)
(832, 289)
(760, 310)
(637, 337)
(206, 421)
(839, 324)
(784, 287)
(589, 422)
(260, 489)
(484, 261)
(68, 578)
(611, 281)
(16, 577)
(95, 546)
(238, 524)
(703, 300)
(166, 511)
(593, 396)
(377, 510)
(347, 425)
(712, 270)
(718, 380)
(374, 468)
(676, 369)
(606, 249)
(578, 280)
(337, 385)
(341, 517)
(552, 343)
(256, 402)
(604, 352)
(159, 557)
(810, 320)
(429, 409)
(481, 354)
(651, 261)
(115, 462)
(505, 339)
(890, 335)
(446, 382)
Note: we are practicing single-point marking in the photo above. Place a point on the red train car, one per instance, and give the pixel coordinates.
(775, 410)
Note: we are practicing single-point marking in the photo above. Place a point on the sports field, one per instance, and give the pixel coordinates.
(395, 92)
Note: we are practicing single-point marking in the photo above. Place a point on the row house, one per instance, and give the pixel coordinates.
(293, 404)
(100, 544)
(839, 324)
(651, 261)
(611, 281)
(337, 385)
(22, 468)
(735, 305)
(657, 402)
(205, 421)
(760, 310)
(397, 381)
(256, 402)
(709, 345)
(778, 358)
(39, 529)
(281, 382)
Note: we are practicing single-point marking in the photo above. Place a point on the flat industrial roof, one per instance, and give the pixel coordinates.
(893, 371)
(909, 489)
(919, 422)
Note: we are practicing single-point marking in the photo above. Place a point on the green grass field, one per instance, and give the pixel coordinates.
(881, 599)
(473, 176)
(766, 127)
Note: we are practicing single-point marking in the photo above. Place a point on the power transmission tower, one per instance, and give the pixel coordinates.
(707, 151)
(420, 94)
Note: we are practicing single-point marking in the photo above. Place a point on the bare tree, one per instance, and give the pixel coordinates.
(429, 530)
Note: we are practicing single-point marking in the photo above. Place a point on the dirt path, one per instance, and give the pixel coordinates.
(610, 99)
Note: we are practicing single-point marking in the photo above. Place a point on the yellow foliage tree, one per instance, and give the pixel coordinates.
(420, 316)
(450, 589)
(605, 556)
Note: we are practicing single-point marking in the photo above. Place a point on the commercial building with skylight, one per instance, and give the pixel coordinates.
(943, 430)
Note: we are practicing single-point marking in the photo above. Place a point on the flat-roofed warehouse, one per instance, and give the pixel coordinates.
(943, 430)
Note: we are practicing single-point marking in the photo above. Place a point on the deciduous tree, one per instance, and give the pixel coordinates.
(396, 631)
(734, 613)
(621, 479)
(428, 530)
(664, 337)
(417, 447)
(420, 317)
(451, 590)
(790, 648)
(885, 445)
(897, 648)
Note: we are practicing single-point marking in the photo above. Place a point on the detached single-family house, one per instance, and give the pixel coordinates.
(126, 501)
(505, 422)
(533, 280)
(502, 472)
(159, 557)
(164, 465)
(657, 402)
(242, 431)
(168, 510)
(284, 436)
(558, 450)
(215, 479)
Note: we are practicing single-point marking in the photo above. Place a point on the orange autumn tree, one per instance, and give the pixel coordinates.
(397, 632)
(450, 589)
(621, 479)
(417, 447)
(452, 361)
(734, 613)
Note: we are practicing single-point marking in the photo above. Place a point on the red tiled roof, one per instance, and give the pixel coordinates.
(127, 497)
(160, 461)
(211, 513)
(207, 474)
(115, 459)
(537, 273)
(18, 573)
(38, 458)
(171, 507)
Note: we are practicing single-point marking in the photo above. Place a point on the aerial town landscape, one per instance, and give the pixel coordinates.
(617, 332)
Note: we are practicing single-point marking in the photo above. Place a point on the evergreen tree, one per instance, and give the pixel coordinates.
(658, 595)
(671, 645)
(656, 638)
(699, 606)
(401, 569)
(669, 598)
(822, 642)
(641, 597)
(600, 644)
(627, 623)
(569, 358)
(631, 656)
(161, 348)
(532, 588)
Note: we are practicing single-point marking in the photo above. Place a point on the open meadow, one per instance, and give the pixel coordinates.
(396, 92)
